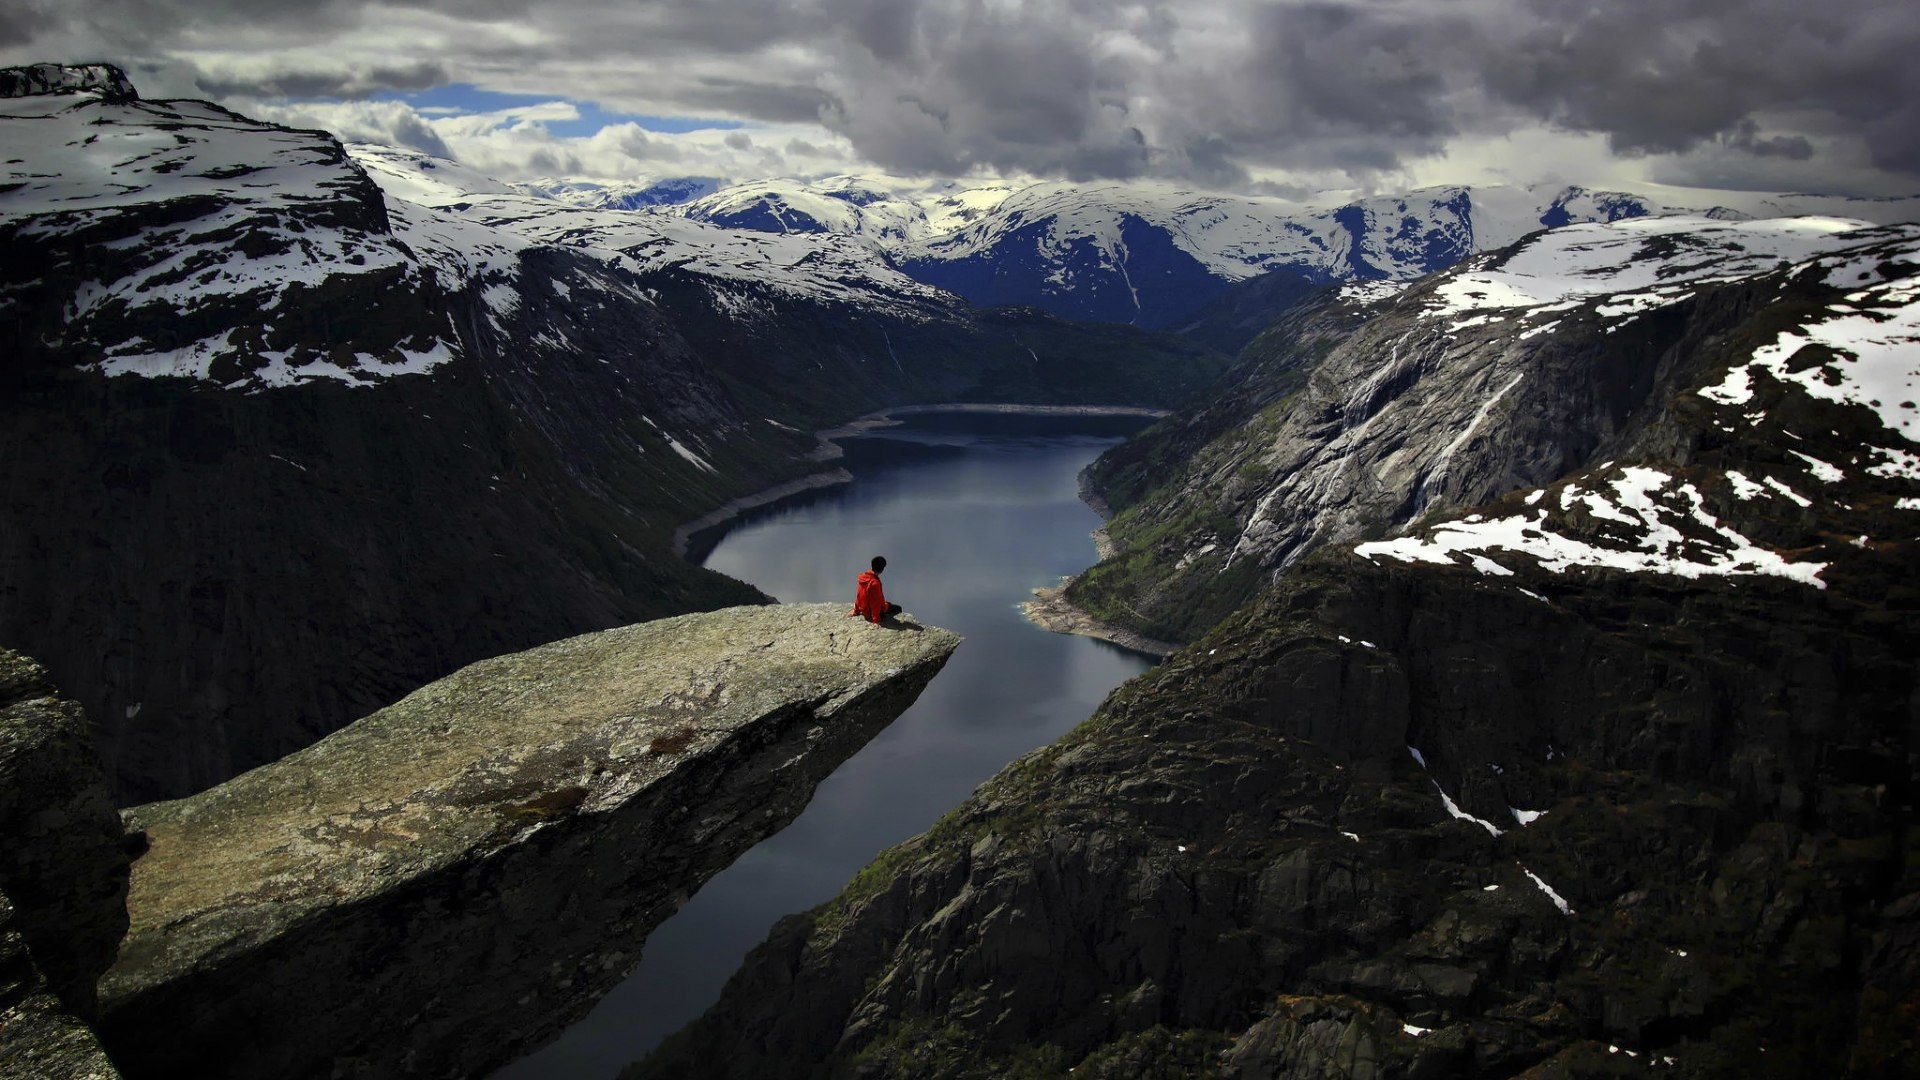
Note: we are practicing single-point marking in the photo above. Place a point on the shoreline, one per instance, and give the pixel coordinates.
(1051, 610)
(829, 450)
(733, 508)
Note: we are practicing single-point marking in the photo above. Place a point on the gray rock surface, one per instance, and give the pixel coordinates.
(61, 859)
(1358, 416)
(448, 882)
(107, 80)
(40, 1039)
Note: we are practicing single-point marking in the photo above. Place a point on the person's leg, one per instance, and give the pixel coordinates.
(893, 609)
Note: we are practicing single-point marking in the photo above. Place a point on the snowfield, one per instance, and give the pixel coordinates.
(1654, 524)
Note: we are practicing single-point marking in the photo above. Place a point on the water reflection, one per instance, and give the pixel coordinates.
(972, 512)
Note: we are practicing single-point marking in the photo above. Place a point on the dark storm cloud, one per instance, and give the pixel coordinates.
(1746, 138)
(1120, 88)
(1664, 76)
(772, 102)
(353, 82)
(22, 23)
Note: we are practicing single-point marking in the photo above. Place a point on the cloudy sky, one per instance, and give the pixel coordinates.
(1236, 95)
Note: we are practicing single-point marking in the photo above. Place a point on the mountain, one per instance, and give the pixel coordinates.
(1153, 255)
(1376, 406)
(1563, 727)
(884, 212)
(283, 445)
(1156, 257)
(1164, 257)
(621, 195)
(812, 327)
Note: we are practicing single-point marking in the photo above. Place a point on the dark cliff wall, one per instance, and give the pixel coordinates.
(1237, 868)
(1346, 420)
(63, 881)
(62, 862)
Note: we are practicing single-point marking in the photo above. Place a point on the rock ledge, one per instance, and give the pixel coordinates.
(445, 884)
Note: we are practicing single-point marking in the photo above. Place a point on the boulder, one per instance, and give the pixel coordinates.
(62, 862)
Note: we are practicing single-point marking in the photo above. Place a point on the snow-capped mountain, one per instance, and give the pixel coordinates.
(1155, 257)
(158, 230)
(823, 265)
(1540, 361)
(1151, 254)
(620, 194)
(885, 212)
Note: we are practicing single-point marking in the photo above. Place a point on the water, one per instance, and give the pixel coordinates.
(972, 512)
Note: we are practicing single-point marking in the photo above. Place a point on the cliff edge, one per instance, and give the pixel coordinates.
(457, 876)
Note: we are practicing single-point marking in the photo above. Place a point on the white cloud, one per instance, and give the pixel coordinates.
(517, 144)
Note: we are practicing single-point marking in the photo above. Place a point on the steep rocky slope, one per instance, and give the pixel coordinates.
(281, 447)
(1139, 253)
(40, 1038)
(1374, 407)
(63, 881)
(1614, 774)
(437, 886)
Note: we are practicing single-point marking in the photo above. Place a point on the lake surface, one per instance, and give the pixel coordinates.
(972, 511)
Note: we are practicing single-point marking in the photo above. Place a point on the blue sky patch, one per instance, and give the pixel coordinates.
(459, 99)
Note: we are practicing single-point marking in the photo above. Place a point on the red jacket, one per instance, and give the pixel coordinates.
(868, 600)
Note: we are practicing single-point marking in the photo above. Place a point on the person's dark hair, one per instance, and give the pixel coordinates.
(879, 563)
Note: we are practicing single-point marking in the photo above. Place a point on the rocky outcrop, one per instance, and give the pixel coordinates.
(40, 1038)
(448, 882)
(63, 881)
(62, 862)
(107, 80)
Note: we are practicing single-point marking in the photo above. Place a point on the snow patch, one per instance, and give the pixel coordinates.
(1708, 548)
(1558, 900)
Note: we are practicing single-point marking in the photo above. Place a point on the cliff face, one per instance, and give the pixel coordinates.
(448, 882)
(62, 863)
(63, 880)
(1610, 773)
(1238, 869)
(39, 1036)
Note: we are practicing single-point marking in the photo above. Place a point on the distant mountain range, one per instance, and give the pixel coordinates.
(1156, 255)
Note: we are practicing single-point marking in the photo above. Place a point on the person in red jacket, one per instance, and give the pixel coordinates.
(869, 601)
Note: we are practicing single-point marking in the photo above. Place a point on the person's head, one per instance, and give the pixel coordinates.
(879, 563)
